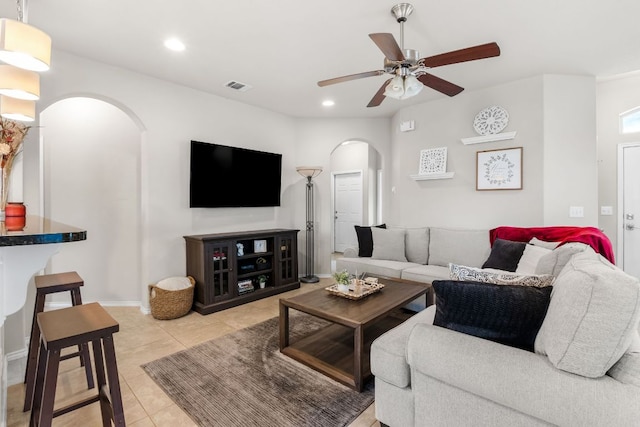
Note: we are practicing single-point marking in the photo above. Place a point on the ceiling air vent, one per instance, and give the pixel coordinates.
(241, 87)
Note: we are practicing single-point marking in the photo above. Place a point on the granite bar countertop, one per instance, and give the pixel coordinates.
(38, 231)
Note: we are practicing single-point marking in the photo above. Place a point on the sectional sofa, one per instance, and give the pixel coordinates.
(583, 369)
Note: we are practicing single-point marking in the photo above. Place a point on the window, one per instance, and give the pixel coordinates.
(630, 121)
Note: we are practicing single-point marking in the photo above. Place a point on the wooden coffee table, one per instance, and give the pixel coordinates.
(341, 350)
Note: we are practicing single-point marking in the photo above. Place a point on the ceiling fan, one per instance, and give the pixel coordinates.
(410, 71)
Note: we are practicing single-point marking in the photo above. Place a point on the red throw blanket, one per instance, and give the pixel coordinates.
(563, 234)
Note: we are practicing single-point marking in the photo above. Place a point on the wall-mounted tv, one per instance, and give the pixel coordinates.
(223, 177)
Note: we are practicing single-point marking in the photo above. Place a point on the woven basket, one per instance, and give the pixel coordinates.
(166, 305)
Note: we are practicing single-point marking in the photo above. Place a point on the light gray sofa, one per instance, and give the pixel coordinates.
(585, 372)
(423, 256)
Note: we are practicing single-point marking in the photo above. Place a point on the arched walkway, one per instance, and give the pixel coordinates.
(91, 179)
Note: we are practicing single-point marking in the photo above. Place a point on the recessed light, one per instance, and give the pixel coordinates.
(174, 44)
(328, 103)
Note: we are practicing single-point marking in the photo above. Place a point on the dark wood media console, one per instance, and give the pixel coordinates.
(227, 267)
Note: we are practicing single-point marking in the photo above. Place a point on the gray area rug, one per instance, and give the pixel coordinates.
(242, 379)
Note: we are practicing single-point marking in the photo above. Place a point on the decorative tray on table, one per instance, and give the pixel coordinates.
(358, 289)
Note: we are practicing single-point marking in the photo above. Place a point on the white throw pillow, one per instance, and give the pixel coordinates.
(498, 277)
(174, 283)
(530, 258)
(554, 262)
(388, 244)
(592, 318)
(543, 244)
(416, 242)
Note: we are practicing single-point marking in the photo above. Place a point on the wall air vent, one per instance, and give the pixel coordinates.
(235, 85)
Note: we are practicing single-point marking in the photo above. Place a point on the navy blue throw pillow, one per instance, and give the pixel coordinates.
(505, 255)
(365, 240)
(507, 314)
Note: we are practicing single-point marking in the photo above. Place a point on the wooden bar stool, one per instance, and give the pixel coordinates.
(68, 327)
(45, 285)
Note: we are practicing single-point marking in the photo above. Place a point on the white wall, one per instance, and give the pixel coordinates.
(570, 152)
(614, 97)
(455, 202)
(554, 118)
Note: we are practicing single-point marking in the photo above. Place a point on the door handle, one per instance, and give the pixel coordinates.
(630, 227)
(629, 217)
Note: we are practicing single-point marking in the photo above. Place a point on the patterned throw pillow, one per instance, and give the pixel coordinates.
(462, 272)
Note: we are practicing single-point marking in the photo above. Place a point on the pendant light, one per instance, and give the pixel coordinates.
(17, 109)
(23, 45)
(26, 50)
(18, 83)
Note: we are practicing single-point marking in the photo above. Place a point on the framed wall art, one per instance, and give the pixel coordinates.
(433, 160)
(499, 169)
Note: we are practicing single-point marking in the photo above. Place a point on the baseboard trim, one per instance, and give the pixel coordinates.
(55, 305)
(16, 355)
(16, 363)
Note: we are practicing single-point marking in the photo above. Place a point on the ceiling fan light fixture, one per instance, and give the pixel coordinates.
(412, 86)
(395, 88)
(403, 87)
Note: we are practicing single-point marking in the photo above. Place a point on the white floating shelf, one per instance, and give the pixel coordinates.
(488, 138)
(424, 177)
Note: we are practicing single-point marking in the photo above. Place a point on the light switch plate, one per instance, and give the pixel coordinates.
(407, 126)
(606, 210)
(576, 212)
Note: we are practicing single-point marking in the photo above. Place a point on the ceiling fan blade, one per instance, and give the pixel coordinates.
(388, 46)
(379, 96)
(482, 51)
(440, 85)
(335, 80)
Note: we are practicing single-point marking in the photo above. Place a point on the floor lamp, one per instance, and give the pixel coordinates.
(309, 172)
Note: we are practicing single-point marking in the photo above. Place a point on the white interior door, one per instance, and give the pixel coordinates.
(348, 209)
(631, 210)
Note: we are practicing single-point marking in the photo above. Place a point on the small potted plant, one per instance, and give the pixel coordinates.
(342, 279)
(262, 281)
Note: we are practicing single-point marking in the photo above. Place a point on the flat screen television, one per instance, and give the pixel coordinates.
(223, 177)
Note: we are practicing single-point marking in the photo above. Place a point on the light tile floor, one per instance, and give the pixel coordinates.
(142, 339)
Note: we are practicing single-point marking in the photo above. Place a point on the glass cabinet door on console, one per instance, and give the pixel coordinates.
(219, 271)
(287, 271)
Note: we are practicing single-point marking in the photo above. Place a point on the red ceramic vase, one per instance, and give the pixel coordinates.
(15, 209)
